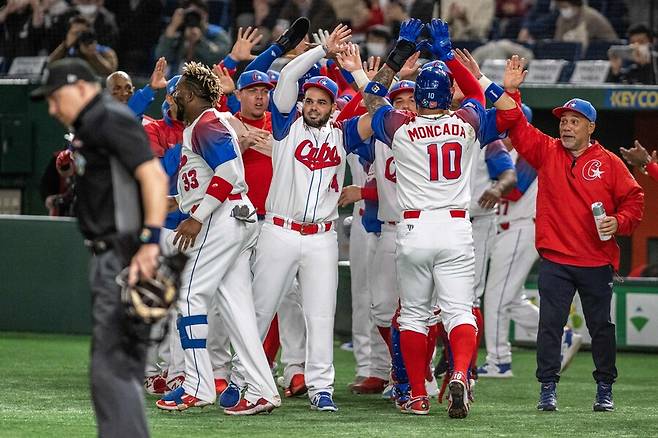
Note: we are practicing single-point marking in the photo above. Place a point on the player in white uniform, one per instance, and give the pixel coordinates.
(434, 242)
(219, 238)
(298, 238)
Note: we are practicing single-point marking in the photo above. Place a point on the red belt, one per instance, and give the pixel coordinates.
(415, 214)
(504, 225)
(303, 229)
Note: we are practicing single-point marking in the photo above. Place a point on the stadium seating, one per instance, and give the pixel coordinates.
(558, 50)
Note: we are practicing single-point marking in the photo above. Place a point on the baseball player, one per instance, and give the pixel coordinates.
(298, 238)
(433, 155)
(219, 237)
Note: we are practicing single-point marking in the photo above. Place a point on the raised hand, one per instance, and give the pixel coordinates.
(350, 59)
(469, 62)
(337, 41)
(246, 41)
(441, 44)
(514, 74)
(158, 76)
(372, 66)
(410, 67)
(637, 156)
(225, 79)
(410, 30)
(321, 37)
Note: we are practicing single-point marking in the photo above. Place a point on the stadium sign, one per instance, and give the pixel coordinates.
(641, 99)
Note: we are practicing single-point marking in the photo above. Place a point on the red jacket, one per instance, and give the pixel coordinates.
(257, 166)
(565, 230)
(652, 170)
(163, 136)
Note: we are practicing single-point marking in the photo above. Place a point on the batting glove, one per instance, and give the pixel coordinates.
(441, 45)
(410, 30)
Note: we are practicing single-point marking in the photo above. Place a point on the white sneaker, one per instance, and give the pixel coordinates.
(571, 343)
(432, 388)
(497, 370)
(387, 393)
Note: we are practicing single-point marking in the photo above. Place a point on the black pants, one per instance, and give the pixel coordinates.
(557, 286)
(118, 352)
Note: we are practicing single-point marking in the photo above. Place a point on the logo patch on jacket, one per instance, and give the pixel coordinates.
(317, 158)
(592, 170)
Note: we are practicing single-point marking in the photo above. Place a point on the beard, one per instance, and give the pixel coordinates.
(317, 122)
(179, 113)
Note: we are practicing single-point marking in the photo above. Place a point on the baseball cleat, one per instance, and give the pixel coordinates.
(387, 393)
(220, 385)
(178, 400)
(156, 384)
(357, 380)
(245, 407)
(548, 397)
(401, 394)
(496, 370)
(297, 386)
(417, 406)
(571, 343)
(458, 403)
(432, 387)
(603, 401)
(371, 385)
(442, 365)
(230, 396)
(322, 401)
(294, 35)
(175, 382)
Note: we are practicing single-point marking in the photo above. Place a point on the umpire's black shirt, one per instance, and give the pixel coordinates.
(110, 144)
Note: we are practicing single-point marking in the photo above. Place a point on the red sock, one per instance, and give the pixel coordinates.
(432, 334)
(385, 332)
(414, 349)
(462, 344)
(480, 323)
(271, 343)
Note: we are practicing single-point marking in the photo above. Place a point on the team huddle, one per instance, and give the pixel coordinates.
(256, 179)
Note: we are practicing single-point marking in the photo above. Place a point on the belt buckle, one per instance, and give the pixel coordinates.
(307, 229)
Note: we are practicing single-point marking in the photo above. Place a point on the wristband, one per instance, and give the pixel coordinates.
(376, 88)
(150, 235)
(360, 78)
(401, 52)
(492, 90)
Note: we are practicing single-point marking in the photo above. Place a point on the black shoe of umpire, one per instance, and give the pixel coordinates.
(294, 35)
(603, 401)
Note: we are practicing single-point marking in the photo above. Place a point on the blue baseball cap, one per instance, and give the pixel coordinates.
(400, 87)
(323, 83)
(579, 106)
(251, 78)
(171, 84)
(527, 112)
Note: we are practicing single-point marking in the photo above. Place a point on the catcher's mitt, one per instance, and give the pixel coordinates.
(151, 299)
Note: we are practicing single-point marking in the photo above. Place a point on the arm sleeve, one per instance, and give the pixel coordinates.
(498, 159)
(386, 121)
(171, 160)
(530, 142)
(233, 104)
(369, 193)
(285, 93)
(281, 123)
(473, 113)
(125, 138)
(141, 100)
(264, 61)
(351, 137)
(629, 197)
(466, 81)
(353, 108)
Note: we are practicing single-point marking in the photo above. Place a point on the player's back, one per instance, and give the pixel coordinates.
(433, 159)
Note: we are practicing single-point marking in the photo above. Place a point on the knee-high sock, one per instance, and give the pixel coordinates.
(480, 323)
(272, 343)
(414, 350)
(462, 343)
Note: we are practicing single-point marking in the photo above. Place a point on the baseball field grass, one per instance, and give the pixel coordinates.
(46, 394)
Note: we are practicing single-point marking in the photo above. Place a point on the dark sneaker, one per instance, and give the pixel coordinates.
(603, 401)
(548, 397)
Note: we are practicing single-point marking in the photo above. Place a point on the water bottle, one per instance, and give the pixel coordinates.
(599, 214)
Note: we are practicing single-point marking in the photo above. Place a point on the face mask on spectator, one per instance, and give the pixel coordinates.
(376, 49)
(87, 10)
(568, 12)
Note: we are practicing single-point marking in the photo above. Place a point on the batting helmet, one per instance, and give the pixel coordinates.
(251, 78)
(274, 76)
(323, 83)
(312, 72)
(439, 64)
(527, 112)
(171, 84)
(400, 87)
(433, 88)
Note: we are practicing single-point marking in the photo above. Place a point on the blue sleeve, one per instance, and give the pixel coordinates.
(214, 143)
(281, 123)
(171, 160)
(264, 61)
(366, 151)
(230, 63)
(233, 103)
(386, 121)
(489, 132)
(141, 100)
(498, 159)
(351, 137)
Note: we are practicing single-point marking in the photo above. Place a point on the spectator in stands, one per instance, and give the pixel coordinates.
(509, 17)
(189, 37)
(81, 41)
(581, 24)
(102, 22)
(263, 15)
(21, 29)
(539, 23)
(320, 13)
(468, 19)
(638, 65)
(394, 14)
(367, 13)
(640, 12)
(140, 24)
(378, 40)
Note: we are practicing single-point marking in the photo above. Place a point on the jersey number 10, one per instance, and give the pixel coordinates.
(451, 157)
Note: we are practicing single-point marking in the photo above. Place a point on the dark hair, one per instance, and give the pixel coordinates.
(201, 4)
(79, 19)
(640, 28)
(205, 83)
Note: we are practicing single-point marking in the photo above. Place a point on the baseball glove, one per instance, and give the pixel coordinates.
(151, 299)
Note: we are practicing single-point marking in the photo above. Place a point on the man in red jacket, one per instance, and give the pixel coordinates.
(574, 172)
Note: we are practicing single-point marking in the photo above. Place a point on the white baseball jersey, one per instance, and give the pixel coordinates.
(389, 209)
(488, 163)
(358, 177)
(211, 166)
(308, 167)
(520, 204)
(433, 155)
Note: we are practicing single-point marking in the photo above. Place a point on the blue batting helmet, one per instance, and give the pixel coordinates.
(312, 72)
(527, 112)
(400, 87)
(439, 64)
(171, 84)
(433, 88)
(274, 76)
(323, 83)
(251, 78)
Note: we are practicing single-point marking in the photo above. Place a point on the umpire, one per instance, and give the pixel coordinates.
(574, 172)
(121, 205)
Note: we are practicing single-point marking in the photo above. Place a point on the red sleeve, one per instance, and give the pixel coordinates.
(152, 131)
(530, 142)
(222, 104)
(652, 170)
(466, 81)
(369, 193)
(629, 198)
(352, 109)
